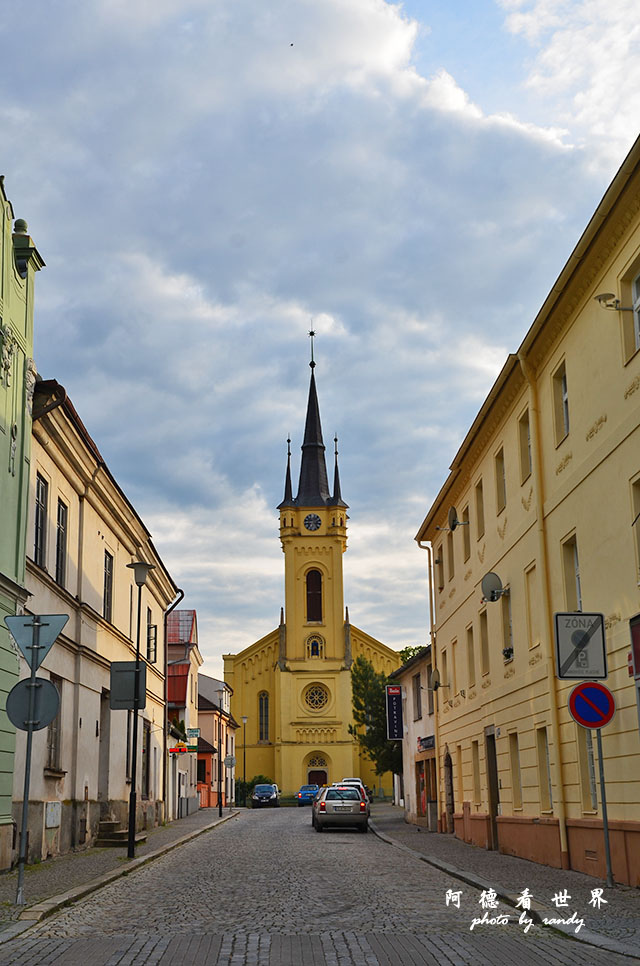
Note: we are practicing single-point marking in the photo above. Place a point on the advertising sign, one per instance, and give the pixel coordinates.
(395, 729)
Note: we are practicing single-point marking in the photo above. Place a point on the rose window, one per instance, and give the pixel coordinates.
(316, 697)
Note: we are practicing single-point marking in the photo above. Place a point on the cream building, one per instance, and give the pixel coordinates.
(82, 534)
(183, 665)
(294, 685)
(546, 486)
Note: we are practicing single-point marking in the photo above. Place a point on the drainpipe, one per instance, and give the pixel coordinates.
(165, 760)
(434, 665)
(546, 607)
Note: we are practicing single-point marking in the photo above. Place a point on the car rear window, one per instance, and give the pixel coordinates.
(343, 794)
(309, 788)
(263, 788)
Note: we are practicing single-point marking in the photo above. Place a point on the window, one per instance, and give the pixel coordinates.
(459, 783)
(452, 565)
(635, 496)
(466, 536)
(634, 334)
(571, 567)
(417, 697)
(61, 543)
(471, 660)
(314, 595)
(479, 509)
(524, 439)
(202, 771)
(40, 542)
(533, 604)
(475, 763)
(53, 731)
(107, 598)
(586, 762)
(444, 679)
(439, 562)
(152, 639)
(560, 403)
(145, 771)
(484, 643)
(544, 770)
(315, 646)
(516, 780)
(263, 716)
(501, 481)
(454, 669)
(507, 627)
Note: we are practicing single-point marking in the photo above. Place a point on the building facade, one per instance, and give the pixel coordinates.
(82, 535)
(184, 663)
(544, 492)
(217, 743)
(294, 685)
(418, 791)
(19, 261)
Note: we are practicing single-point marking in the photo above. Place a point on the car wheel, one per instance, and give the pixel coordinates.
(318, 827)
(363, 828)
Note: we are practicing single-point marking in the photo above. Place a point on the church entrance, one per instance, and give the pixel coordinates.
(317, 776)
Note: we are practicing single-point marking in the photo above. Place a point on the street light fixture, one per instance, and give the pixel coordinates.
(244, 757)
(141, 571)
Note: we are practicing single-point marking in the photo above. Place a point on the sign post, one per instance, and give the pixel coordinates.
(34, 636)
(592, 705)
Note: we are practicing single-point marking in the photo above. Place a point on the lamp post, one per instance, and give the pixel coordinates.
(244, 757)
(220, 693)
(140, 573)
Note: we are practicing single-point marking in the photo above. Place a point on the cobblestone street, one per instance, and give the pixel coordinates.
(264, 888)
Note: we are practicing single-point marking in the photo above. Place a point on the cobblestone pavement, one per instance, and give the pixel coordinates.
(265, 890)
(58, 875)
(619, 919)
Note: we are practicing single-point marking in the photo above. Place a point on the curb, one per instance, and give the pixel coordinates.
(41, 910)
(537, 911)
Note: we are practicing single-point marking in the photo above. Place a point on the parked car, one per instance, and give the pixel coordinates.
(307, 794)
(265, 796)
(356, 782)
(339, 806)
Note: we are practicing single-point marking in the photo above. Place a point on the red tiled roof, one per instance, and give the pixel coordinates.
(182, 627)
(177, 684)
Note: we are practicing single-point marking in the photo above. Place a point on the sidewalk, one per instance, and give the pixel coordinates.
(50, 885)
(615, 926)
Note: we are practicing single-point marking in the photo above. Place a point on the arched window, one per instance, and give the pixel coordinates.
(263, 716)
(314, 595)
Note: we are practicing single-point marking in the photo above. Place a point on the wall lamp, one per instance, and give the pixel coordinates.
(607, 300)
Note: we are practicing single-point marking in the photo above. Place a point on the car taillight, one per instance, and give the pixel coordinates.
(299, 794)
(322, 807)
(363, 806)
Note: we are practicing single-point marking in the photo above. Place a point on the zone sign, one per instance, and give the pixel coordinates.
(580, 646)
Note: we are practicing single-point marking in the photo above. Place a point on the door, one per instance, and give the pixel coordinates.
(317, 776)
(492, 785)
(448, 792)
(103, 751)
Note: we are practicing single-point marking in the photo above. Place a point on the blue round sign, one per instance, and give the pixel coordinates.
(592, 704)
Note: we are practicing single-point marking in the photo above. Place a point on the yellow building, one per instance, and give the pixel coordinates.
(294, 685)
(546, 486)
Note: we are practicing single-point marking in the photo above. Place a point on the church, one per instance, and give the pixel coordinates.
(293, 686)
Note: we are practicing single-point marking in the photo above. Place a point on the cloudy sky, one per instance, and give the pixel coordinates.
(205, 177)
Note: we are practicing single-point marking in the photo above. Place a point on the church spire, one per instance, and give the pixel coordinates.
(336, 499)
(288, 491)
(313, 487)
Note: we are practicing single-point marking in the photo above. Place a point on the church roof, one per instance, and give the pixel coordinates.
(313, 485)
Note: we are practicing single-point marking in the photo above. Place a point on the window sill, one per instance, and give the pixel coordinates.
(54, 773)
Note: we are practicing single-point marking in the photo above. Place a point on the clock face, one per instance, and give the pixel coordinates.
(312, 521)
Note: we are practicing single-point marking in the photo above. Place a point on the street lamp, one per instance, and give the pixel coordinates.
(220, 693)
(244, 757)
(140, 573)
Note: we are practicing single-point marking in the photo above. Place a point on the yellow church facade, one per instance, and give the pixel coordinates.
(294, 685)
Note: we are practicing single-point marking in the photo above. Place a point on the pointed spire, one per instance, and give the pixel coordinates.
(288, 490)
(336, 499)
(313, 487)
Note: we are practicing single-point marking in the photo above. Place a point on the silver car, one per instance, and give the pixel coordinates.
(340, 806)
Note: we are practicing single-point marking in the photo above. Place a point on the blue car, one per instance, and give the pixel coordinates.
(307, 794)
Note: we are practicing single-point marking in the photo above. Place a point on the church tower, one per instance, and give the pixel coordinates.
(294, 685)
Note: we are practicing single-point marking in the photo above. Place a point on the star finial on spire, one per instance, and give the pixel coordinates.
(311, 336)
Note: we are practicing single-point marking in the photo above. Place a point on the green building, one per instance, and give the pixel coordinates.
(19, 261)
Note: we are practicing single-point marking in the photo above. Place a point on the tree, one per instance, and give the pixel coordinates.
(369, 714)
(410, 651)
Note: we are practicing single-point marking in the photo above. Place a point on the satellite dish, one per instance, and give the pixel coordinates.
(453, 518)
(435, 680)
(491, 587)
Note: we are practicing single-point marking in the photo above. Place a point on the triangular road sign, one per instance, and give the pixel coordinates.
(23, 631)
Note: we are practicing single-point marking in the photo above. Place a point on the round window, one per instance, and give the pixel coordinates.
(316, 697)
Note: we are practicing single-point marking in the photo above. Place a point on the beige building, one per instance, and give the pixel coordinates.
(546, 487)
(82, 534)
(217, 743)
(183, 665)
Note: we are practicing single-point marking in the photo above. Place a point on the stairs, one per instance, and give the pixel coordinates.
(110, 835)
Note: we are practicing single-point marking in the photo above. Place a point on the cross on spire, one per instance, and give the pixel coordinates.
(311, 336)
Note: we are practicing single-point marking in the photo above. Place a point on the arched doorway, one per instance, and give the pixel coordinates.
(317, 770)
(448, 791)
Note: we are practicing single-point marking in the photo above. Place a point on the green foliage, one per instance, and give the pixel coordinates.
(178, 729)
(410, 651)
(244, 789)
(369, 714)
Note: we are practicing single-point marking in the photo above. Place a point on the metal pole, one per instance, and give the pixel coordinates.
(35, 646)
(220, 758)
(605, 822)
(244, 760)
(131, 850)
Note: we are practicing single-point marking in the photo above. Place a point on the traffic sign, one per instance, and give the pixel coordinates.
(46, 704)
(36, 634)
(580, 646)
(592, 704)
(229, 761)
(122, 696)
